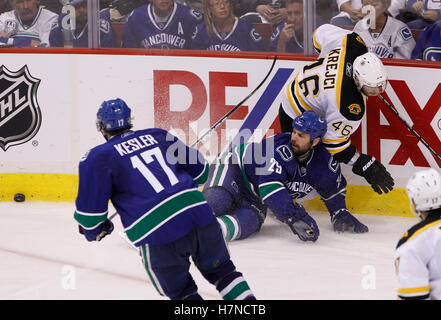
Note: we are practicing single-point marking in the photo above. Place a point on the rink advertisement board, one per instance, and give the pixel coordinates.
(187, 95)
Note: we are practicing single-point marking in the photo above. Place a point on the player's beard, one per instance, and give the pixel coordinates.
(301, 152)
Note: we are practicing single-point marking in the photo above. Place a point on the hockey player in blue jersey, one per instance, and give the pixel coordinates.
(223, 31)
(151, 177)
(244, 183)
(161, 24)
(78, 37)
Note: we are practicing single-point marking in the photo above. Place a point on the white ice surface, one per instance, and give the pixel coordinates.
(42, 256)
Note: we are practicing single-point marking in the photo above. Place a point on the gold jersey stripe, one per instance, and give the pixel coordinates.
(291, 100)
(299, 97)
(424, 289)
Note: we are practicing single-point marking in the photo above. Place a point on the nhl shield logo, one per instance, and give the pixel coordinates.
(20, 115)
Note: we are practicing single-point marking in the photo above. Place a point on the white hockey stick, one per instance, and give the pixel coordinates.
(122, 234)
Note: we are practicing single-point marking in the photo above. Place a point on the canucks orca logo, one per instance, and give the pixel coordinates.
(255, 35)
(20, 115)
(333, 165)
(285, 152)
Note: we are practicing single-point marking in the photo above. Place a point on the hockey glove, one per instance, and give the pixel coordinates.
(342, 220)
(103, 230)
(303, 225)
(374, 173)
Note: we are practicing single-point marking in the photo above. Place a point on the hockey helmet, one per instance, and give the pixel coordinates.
(114, 115)
(370, 71)
(424, 191)
(311, 123)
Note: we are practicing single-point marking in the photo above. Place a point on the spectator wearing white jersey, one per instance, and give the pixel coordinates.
(385, 36)
(27, 24)
(418, 252)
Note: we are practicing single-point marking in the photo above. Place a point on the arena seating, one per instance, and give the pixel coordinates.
(265, 30)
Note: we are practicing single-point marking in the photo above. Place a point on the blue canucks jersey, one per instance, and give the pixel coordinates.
(292, 46)
(428, 46)
(80, 37)
(243, 37)
(151, 177)
(142, 31)
(275, 175)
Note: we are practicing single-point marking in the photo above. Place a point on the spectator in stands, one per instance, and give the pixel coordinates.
(63, 35)
(261, 11)
(326, 9)
(350, 13)
(388, 37)
(119, 10)
(272, 11)
(428, 12)
(288, 36)
(428, 46)
(223, 31)
(5, 6)
(52, 5)
(197, 5)
(27, 24)
(57, 5)
(161, 24)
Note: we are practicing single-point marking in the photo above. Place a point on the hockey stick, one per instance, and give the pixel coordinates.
(122, 234)
(237, 106)
(410, 128)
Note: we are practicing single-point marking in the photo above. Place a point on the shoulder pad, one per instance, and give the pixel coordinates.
(104, 26)
(54, 25)
(255, 35)
(323, 159)
(419, 227)
(196, 14)
(275, 34)
(405, 33)
(285, 152)
(84, 156)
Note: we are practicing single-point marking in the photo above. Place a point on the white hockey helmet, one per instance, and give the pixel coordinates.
(370, 71)
(424, 191)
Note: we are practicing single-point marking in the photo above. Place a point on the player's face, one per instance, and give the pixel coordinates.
(300, 142)
(26, 9)
(295, 15)
(372, 91)
(220, 9)
(162, 6)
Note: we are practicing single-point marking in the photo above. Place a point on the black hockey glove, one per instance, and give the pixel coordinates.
(342, 220)
(303, 225)
(374, 173)
(105, 228)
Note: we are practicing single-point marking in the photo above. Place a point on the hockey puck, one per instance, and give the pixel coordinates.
(19, 197)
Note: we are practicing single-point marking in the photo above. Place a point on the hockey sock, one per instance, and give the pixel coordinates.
(234, 287)
(239, 225)
(230, 227)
